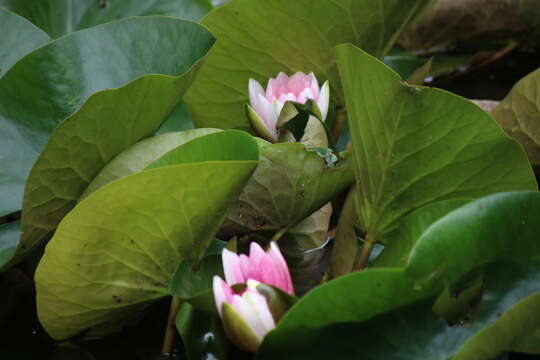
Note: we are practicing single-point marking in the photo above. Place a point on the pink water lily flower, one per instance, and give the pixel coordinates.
(267, 267)
(246, 317)
(246, 314)
(265, 106)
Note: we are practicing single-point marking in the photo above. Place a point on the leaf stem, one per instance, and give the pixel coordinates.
(170, 330)
(364, 253)
(278, 235)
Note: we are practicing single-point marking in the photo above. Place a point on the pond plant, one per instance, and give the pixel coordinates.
(272, 172)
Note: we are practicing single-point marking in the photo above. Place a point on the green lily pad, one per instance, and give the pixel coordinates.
(19, 36)
(116, 251)
(286, 36)
(391, 307)
(106, 124)
(61, 17)
(417, 145)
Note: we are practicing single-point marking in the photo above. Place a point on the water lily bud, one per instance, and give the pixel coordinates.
(266, 267)
(265, 106)
(246, 317)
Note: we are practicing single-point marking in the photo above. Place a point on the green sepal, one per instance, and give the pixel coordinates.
(258, 124)
(238, 330)
(278, 301)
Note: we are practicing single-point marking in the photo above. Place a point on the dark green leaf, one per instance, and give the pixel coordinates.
(417, 145)
(108, 122)
(286, 36)
(60, 17)
(494, 236)
(19, 37)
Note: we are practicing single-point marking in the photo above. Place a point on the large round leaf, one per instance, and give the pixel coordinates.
(495, 236)
(108, 122)
(60, 17)
(286, 36)
(416, 145)
(19, 36)
(117, 249)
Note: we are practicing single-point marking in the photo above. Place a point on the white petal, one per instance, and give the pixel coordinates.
(260, 319)
(255, 89)
(305, 95)
(324, 100)
(268, 114)
(231, 268)
(222, 292)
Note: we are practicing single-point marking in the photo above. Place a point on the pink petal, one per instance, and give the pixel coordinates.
(280, 263)
(275, 86)
(249, 268)
(272, 274)
(255, 89)
(314, 86)
(298, 82)
(324, 100)
(256, 253)
(222, 292)
(231, 268)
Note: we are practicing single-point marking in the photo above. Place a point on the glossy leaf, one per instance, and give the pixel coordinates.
(123, 242)
(60, 17)
(289, 184)
(416, 145)
(286, 36)
(19, 36)
(519, 114)
(108, 122)
(495, 235)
